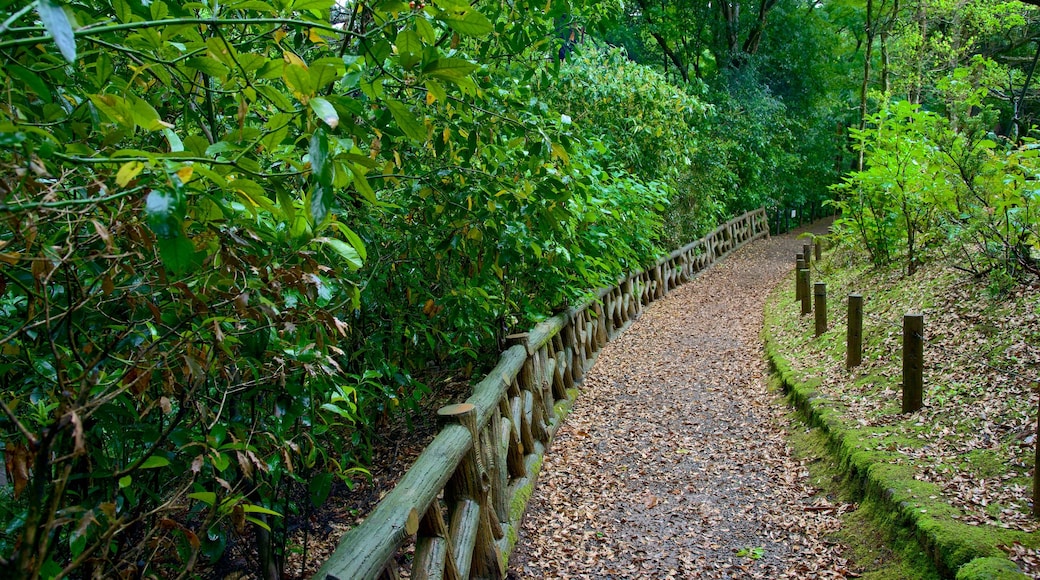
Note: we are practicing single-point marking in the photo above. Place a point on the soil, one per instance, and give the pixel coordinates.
(674, 462)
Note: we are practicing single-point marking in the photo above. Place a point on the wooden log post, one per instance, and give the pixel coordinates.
(515, 451)
(807, 254)
(803, 277)
(659, 289)
(529, 390)
(434, 557)
(854, 337)
(472, 533)
(799, 265)
(818, 248)
(913, 362)
(545, 383)
(1036, 466)
(498, 469)
(570, 351)
(820, 306)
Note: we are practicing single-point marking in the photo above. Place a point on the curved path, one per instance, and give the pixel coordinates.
(674, 463)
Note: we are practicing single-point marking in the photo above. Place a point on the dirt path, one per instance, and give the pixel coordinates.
(674, 462)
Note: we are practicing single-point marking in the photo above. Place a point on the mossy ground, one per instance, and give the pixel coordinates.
(877, 550)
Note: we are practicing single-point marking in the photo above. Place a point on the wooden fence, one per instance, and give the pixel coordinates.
(463, 499)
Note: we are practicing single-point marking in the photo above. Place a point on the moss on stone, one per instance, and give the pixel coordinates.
(990, 569)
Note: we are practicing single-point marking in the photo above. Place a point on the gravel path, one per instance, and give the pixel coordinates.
(674, 462)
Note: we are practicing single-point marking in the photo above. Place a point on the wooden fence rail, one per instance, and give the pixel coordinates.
(463, 499)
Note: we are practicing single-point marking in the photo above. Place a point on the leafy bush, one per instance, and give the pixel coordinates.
(233, 235)
(929, 184)
(636, 122)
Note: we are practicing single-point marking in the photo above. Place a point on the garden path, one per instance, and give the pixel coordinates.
(674, 462)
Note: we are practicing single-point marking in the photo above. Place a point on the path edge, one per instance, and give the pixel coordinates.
(956, 549)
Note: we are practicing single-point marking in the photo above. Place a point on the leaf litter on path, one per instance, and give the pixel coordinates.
(674, 462)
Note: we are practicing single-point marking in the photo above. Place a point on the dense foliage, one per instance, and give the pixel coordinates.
(774, 77)
(947, 162)
(238, 237)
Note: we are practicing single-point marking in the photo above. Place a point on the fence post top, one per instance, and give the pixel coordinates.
(456, 410)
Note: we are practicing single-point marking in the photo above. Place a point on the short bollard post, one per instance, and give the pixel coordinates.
(913, 362)
(803, 277)
(1036, 471)
(854, 339)
(818, 248)
(799, 265)
(820, 295)
(807, 254)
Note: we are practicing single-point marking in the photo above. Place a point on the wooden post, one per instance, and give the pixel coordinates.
(913, 362)
(473, 536)
(854, 338)
(818, 248)
(1036, 469)
(803, 277)
(799, 265)
(820, 294)
(807, 254)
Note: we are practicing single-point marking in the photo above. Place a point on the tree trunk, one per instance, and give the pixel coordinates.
(867, 56)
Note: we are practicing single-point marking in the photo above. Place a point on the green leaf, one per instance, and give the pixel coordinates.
(209, 66)
(425, 30)
(115, 108)
(253, 194)
(451, 69)
(345, 250)
(146, 117)
(255, 509)
(436, 89)
(165, 212)
(409, 48)
(57, 23)
(325, 71)
(32, 81)
(176, 145)
(298, 79)
(361, 183)
(339, 411)
(257, 522)
(125, 481)
(467, 23)
(178, 254)
(319, 487)
(325, 111)
(159, 10)
(154, 462)
(256, 5)
(406, 120)
(320, 5)
(353, 238)
(207, 497)
(277, 97)
(321, 174)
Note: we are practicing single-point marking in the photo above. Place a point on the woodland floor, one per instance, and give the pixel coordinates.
(674, 462)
